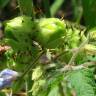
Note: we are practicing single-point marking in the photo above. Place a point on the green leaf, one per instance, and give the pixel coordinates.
(2, 94)
(38, 86)
(37, 73)
(49, 86)
(55, 6)
(83, 82)
(54, 91)
(55, 80)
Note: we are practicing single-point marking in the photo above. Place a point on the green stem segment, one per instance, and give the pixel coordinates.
(26, 7)
(29, 84)
(29, 67)
(47, 8)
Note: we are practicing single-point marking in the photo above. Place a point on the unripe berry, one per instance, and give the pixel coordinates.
(50, 32)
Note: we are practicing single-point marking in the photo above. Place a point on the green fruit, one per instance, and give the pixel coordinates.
(19, 32)
(50, 32)
(19, 28)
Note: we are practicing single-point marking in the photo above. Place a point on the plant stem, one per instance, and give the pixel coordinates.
(70, 67)
(29, 67)
(46, 8)
(77, 51)
(26, 7)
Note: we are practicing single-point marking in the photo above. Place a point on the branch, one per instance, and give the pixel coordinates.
(30, 66)
(70, 67)
(77, 51)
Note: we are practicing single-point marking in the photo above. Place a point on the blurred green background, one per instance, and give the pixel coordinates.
(79, 11)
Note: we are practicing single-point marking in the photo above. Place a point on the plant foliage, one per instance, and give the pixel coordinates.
(54, 57)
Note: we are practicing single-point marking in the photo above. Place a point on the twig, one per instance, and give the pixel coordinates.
(29, 67)
(59, 55)
(70, 67)
(77, 51)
